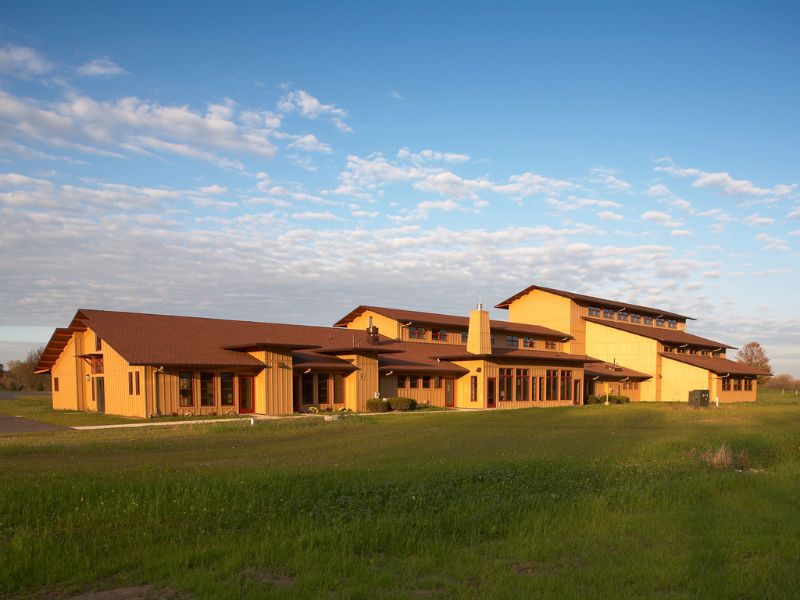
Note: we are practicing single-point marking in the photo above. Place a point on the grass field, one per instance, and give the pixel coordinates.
(621, 501)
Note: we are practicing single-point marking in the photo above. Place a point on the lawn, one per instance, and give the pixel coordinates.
(631, 501)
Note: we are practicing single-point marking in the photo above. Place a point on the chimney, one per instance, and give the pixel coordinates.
(372, 331)
(479, 340)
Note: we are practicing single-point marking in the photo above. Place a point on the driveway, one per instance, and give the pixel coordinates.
(20, 425)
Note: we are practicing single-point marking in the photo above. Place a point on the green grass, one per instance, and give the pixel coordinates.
(587, 502)
(778, 396)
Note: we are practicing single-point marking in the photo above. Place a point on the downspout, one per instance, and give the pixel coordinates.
(155, 390)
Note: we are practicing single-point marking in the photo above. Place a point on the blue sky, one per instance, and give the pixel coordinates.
(287, 162)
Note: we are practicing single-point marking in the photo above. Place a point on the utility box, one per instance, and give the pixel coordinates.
(698, 398)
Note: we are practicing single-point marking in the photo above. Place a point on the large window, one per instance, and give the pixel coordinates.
(186, 388)
(473, 388)
(416, 333)
(402, 382)
(608, 313)
(566, 385)
(660, 321)
(437, 382)
(534, 388)
(523, 385)
(439, 335)
(512, 341)
(552, 384)
(737, 385)
(748, 385)
(506, 383)
(672, 324)
(464, 337)
(307, 385)
(413, 382)
(622, 316)
(226, 389)
(594, 312)
(322, 388)
(426, 382)
(647, 320)
(636, 319)
(206, 389)
(726, 384)
(528, 342)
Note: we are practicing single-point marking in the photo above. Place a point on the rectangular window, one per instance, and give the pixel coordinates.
(636, 385)
(55, 384)
(416, 333)
(307, 385)
(672, 324)
(186, 388)
(206, 389)
(506, 383)
(549, 345)
(528, 342)
(402, 382)
(439, 335)
(594, 312)
(566, 385)
(647, 320)
(552, 384)
(491, 392)
(512, 341)
(322, 388)
(726, 384)
(413, 382)
(660, 321)
(437, 382)
(608, 313)
(622, 316)
(426, 382)
(136, 383)
(98, 343)
(130, 383)
(473, 388)
(748, 385)
(541, 389)
(226, 389)
(523, 385)
(737, 385)
(636, 319)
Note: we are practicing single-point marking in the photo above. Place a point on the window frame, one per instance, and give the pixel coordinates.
(594, 311)
(417, 333)
(222, 377)
(512, 341)
(191, 395)
(439, 335)
(647, 320)
(55, 384)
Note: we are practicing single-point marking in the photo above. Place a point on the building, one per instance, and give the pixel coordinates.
(555, 350)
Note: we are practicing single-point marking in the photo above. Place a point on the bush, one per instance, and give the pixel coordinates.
(402, 404)
(601, 399)
(377, 405)
(595, 399)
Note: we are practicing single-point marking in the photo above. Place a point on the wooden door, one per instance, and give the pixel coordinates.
(247, 400)
(449, 397)
(491, 392)
(100, 393)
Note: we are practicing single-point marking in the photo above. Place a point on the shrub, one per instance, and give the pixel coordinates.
(595, 399)
(601, 399)
(402, 404)
(618, 400)
(377, 405)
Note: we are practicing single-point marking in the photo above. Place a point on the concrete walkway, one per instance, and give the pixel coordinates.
(20, 425)
(245, 420)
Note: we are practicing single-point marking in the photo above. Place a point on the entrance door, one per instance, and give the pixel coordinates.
(296, 393)
(247, 400)
(576, 399)
(449, 398)
(491, 392)
(100, 393)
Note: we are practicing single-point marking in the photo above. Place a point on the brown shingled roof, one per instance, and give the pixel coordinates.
(670, 336)
(429, 318)
(718, 365)
(613, 372)
(520, 354)
(594, 301)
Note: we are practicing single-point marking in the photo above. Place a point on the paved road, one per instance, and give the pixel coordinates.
(20, 425)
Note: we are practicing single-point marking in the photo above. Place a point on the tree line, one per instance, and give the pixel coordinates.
(18, 375)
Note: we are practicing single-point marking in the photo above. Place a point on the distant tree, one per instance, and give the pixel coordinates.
(753, 354)
(783, 381)
(2, 370)
(20, 373)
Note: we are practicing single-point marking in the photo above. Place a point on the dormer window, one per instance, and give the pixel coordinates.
(512, 340)
(647, 320)
(464, 337)
(672, 324)
(439, 335)
(594, 312)
(550, 345)
(636, 318)
(416, 333)
(608, 313)
(660, 321)
(622, 316)
(528, 342)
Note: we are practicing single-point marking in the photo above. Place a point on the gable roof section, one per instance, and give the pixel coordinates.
(718, 365)
(611, 372)
(429, 318)
(669, 336)
(594, 301)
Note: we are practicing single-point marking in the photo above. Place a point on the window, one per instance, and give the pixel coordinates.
(541, 389)
(622, 316)
(226, 389)
(206, 389)
(748, 385)
(726, 384)
(528, 342)
(550, 345)
(566, 385)
(55, 384)
(413, 382)
(512, 341)
(594, 312)
(96, 365)
(534, 388)
(402, 382)
(437, 382)
(636, 385)
(552, 384)
(608, 313)
(491, 338)
(136, 382)
(737, 385)
(672, 324)
(464, 337)
(185, 388)
(660, 321)
(439, 335)
(130, 383)
(636, 319)
(523, 385)
(322, 388)
(98, 343)
(426, 382)
(506, 382)
(473, 388)
(307, 387)
(416, 333)
(647, 320)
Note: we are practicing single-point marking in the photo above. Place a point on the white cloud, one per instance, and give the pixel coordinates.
(100, 67)
(23, 62)
(680, 233)
(575, 203)
(758, 220)
(214, 189)
(607, 215)
(316, 215)
(608, 179)
(308, 106)
(431, 156)
(661, 218)
(794, 214)
(397, 96)
(532, 184)
(772, 243)
(723, 181)
(310, 143)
